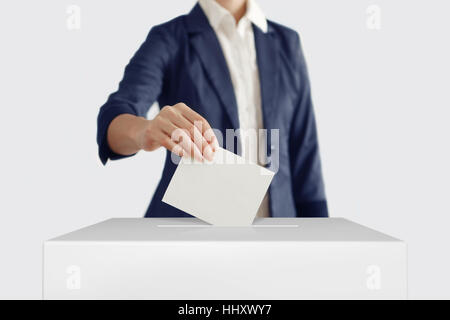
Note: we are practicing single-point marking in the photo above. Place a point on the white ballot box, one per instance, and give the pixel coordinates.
(185, 258)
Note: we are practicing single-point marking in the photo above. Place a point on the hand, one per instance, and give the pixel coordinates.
(181, 130)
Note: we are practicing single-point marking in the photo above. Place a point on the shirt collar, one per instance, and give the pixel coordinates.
(216, 13)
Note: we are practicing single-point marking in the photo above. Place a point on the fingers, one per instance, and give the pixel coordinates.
(183, 139)
(170, 123)
(179, 137)
(168, 143)
(210, 136)
(196, 136)
(186, 129)
(194, 126)
(194, 117)
(199, 122)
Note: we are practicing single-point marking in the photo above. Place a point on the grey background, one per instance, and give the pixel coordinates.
(381, 97)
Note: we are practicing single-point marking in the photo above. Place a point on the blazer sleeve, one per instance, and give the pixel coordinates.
(308, 186)
(140, 87)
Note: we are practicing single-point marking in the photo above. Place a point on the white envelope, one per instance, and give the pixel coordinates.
(227, 191)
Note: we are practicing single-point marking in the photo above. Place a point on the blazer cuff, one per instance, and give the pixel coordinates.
(314, 209)
(104, 120)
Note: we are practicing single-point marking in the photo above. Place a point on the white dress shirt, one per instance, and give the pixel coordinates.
(238, 46)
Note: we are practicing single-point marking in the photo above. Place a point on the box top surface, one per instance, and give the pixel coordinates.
(192, 229)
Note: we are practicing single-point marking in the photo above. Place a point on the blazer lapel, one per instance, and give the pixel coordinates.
(267, 54)
(207, 46)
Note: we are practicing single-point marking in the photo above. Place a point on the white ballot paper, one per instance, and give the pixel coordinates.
(225, 192)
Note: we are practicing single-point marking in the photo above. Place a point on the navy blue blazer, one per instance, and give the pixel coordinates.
(182, 61)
